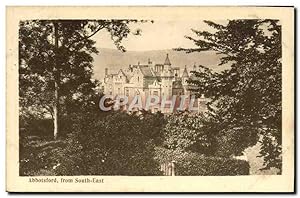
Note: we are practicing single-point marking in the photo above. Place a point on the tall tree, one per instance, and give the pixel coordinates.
(247, 96)
(55, 59)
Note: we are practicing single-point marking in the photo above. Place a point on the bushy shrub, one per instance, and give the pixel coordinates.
(117, 144)
(108, 144)
(234, 141)
(38, 155)
(193, 164)
(186, 132)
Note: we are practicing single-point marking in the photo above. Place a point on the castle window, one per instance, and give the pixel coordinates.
(155, 93)
(138, 78)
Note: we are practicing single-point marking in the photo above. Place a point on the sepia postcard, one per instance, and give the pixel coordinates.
(150, 99)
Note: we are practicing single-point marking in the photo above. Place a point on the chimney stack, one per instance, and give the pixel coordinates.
(106, 71)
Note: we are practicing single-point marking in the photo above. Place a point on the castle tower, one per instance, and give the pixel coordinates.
(167, 78)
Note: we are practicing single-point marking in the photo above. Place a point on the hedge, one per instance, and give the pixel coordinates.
(194, 164)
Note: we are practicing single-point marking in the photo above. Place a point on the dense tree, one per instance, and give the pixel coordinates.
(186, 132)
(246, 98)
(55, 62)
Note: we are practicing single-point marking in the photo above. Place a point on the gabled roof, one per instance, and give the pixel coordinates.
(155, 82)
(122, 72)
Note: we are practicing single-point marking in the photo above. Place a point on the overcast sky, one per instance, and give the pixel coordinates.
(155, 36)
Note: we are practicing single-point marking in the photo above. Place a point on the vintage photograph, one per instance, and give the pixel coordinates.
(131, 94)
(145, 97)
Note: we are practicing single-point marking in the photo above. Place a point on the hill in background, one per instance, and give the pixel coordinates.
(115, 59)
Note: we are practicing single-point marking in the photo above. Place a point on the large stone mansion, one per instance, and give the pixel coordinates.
(162, 80)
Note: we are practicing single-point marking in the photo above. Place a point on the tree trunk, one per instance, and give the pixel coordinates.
(56, 84)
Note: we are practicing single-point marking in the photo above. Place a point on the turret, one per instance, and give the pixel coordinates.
(185, 74)
(167, 62)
